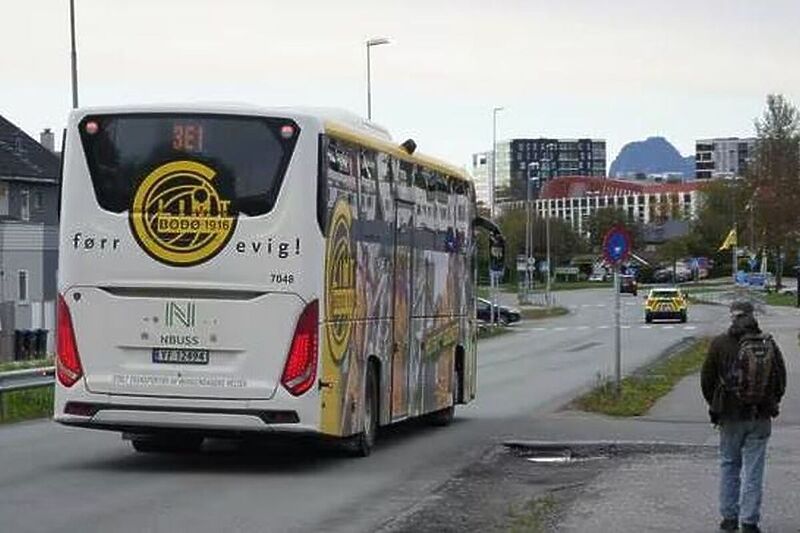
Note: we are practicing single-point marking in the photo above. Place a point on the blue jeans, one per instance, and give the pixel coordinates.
(742, 446)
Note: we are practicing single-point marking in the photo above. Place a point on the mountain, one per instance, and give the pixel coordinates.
(653, 156)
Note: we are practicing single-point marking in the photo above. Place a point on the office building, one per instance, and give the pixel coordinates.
(555, 158)
(723, 158)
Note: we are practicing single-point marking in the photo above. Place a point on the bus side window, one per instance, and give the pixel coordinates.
(342, 174)
(387, 169)
(407, 173)
(367, 185)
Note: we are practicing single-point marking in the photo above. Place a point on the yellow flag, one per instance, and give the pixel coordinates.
(729, 241)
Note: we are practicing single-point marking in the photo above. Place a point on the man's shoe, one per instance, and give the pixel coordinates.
(750, 528)
(729, 524)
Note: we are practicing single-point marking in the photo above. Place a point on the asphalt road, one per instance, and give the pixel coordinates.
(62, 479)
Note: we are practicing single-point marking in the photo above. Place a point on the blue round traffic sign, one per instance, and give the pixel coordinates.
(617, 245)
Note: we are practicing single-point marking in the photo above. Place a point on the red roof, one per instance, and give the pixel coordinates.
(578, 186)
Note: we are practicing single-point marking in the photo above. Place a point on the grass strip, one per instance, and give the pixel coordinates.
(534, 516)
(642, 390)
(22, 365)
(537, 313)
(487, 332)
(577, 285)
(783, 300)
(26, 404)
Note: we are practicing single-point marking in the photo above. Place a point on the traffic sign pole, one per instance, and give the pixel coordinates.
(617, 336)
(616, 249)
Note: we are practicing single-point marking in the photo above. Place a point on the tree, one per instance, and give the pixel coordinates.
(722, 206)
(604, 219)
(672, 250)
(564, 241)
(773, 178)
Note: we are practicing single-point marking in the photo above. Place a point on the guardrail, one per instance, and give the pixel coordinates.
(32, 378)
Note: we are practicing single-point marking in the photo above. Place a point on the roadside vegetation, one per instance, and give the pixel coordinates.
(643, 389)
(536, 516)
(536, 313)
(26, 405)
(485, 331)
(785, 300)
(7, 366)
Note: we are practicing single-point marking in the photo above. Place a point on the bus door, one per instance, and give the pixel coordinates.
(401, 333)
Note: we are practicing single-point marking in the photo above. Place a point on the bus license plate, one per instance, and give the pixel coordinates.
(180, 356)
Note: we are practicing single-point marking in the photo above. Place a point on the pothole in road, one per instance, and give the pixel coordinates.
(552, 455)
(565, 457)
(560, 453)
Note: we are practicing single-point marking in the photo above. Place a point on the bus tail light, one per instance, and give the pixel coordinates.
(300, 370)
(68, 362)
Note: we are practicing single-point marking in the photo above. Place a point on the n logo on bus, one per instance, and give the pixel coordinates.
(178, 216)
(176, 314)
(340, 280)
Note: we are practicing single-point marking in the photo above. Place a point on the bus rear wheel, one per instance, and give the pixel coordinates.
(361, 445)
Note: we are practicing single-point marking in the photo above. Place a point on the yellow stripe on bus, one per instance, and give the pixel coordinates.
(346, 134)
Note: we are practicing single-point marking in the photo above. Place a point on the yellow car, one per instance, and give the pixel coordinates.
(665, 303)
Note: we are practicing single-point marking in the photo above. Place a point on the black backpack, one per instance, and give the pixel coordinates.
(749, 374)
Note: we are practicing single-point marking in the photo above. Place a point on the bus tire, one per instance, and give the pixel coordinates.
(167, 444)
(361, 445)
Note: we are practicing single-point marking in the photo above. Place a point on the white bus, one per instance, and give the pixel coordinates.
(235, 270)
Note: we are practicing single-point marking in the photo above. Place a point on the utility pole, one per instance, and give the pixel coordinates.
(74, 54)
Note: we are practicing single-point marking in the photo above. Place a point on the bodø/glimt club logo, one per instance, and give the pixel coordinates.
(179, 217)
(340, 281)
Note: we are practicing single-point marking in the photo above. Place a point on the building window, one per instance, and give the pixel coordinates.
(38, 200)
(22, 285)
(25, 205)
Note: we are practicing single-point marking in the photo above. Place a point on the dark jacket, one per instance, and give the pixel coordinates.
(723, 349)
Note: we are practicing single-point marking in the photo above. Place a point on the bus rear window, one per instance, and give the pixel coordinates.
(249, 155)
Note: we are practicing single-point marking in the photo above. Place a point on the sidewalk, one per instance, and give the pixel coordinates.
(671, 492)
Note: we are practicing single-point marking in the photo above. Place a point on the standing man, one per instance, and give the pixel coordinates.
(743, 381)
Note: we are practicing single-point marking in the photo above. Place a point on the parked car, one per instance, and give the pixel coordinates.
(628, 284)
(502, 314)
(598, 276)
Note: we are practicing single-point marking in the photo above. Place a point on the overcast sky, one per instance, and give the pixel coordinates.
(621, 70)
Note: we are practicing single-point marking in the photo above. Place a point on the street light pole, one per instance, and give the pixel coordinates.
(370, 43)
(492, 281)
(73, 54)
(547, 287)
(528, 226)
(494, 160)
(549, 160)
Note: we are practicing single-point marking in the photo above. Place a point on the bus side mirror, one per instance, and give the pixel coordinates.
(497, 253)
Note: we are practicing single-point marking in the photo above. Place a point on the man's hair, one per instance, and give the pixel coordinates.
(742, 308)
